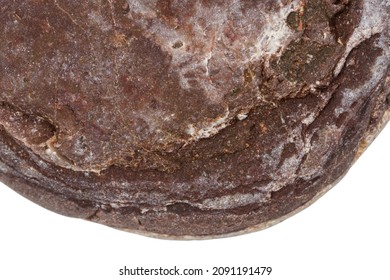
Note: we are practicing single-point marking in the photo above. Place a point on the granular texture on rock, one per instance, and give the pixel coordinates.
(190, 118)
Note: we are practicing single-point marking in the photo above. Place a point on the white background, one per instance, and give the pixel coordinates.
(344, 235)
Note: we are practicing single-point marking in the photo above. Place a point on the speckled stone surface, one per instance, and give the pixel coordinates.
(188, 119)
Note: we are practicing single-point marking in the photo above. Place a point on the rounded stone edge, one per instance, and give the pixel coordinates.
(63, 206)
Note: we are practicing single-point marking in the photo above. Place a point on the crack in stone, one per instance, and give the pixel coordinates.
(68, 14)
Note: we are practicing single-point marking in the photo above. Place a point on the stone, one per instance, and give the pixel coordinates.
(188, 119)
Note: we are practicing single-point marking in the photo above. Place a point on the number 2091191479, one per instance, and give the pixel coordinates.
(263, 270)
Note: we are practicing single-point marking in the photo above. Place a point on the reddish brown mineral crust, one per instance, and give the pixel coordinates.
(188, 118)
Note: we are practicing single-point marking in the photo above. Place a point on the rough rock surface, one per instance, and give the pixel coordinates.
(188, 118)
